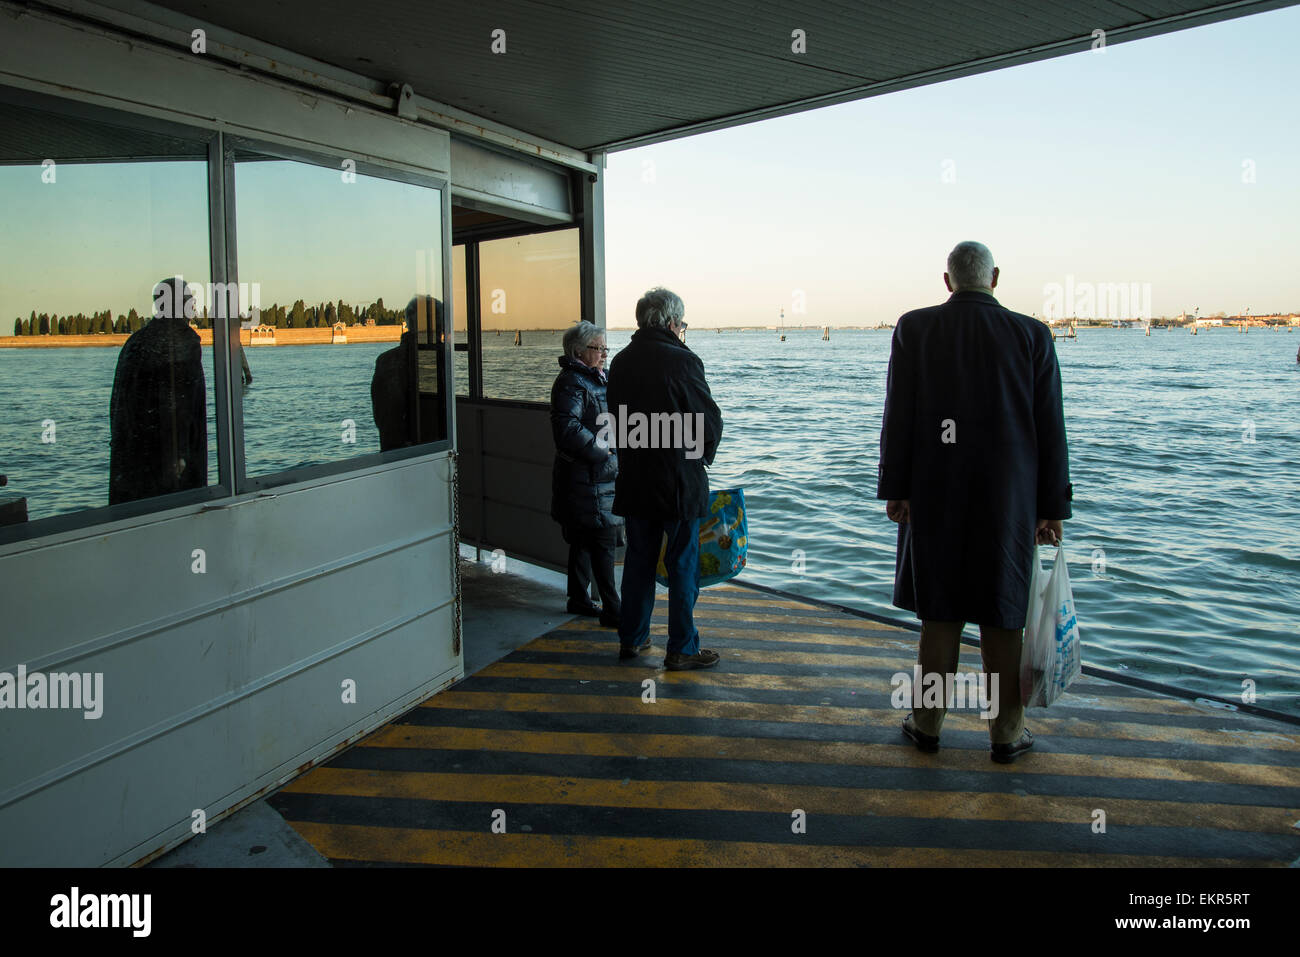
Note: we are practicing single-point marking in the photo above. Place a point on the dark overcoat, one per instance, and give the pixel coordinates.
(974, 437)
(582, 480)
(158, 413)
(657, 373)
(390, 394)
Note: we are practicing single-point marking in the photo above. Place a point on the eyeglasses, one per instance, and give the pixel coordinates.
(601, 349)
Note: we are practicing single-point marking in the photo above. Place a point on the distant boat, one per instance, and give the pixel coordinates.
(782, 330)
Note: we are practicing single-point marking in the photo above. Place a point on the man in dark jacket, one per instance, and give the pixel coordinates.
(974, 466)
(667, 429)
(394, 388)
(158, 411)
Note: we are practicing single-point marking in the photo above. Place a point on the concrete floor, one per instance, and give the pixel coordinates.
(500, 612)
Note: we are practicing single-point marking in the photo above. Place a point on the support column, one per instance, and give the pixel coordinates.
(591, 200)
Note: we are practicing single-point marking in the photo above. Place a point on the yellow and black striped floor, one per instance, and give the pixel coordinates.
(554, 756)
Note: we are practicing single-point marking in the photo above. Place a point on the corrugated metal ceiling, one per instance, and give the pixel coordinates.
(610, 74)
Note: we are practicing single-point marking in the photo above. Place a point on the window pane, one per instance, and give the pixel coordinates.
(103, 402)
(530, 292)
(331, 258)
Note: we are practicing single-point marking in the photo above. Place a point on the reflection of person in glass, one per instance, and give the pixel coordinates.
(245, 372)
(392, 387)
(158, 412)
(582, 481)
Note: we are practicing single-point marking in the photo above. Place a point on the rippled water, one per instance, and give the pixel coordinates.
(1200, 528)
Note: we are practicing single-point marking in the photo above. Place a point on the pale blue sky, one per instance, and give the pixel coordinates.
(1116, 167)
(98, 236)
(102, 234)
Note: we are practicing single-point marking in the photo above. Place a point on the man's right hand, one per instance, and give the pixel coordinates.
(1048, 532)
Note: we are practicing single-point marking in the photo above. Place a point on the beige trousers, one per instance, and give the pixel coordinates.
(938, 654)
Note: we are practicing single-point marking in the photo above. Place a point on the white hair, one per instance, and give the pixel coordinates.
(580, 335)
(659, 308)
(970, 266)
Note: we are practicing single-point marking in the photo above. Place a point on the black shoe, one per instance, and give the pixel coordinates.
(680, 662)
(608, 619)
(1006, 753)
(590, 609)
(627, 654)
(928, 743)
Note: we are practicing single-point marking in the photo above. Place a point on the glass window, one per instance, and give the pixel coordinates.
(530, 292)
(334, 262)
(108, 388)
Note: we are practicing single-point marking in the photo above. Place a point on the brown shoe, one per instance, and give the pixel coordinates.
(680, 662)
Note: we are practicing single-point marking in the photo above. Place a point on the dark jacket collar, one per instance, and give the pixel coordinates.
(975, 295)
(582, 368)
(655, 334)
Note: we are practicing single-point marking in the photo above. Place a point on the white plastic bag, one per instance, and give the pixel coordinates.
(1051, 657)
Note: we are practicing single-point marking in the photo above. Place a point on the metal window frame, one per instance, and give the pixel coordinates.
(474, 304)
(473, 320)
(207, 140)
(327, 159)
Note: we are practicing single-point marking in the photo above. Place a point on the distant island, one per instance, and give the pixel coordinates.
(297, 316)
(1156, 322)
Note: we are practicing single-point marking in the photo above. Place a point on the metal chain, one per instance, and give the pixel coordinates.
(453, 458)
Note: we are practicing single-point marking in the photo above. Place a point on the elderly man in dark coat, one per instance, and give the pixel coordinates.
(668, 429)
(394, 389)
(158, 411)
(974, 466)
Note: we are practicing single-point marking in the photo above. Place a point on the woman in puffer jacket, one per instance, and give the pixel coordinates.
(582, 484)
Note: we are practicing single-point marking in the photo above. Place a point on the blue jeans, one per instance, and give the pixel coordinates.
(682, 559)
